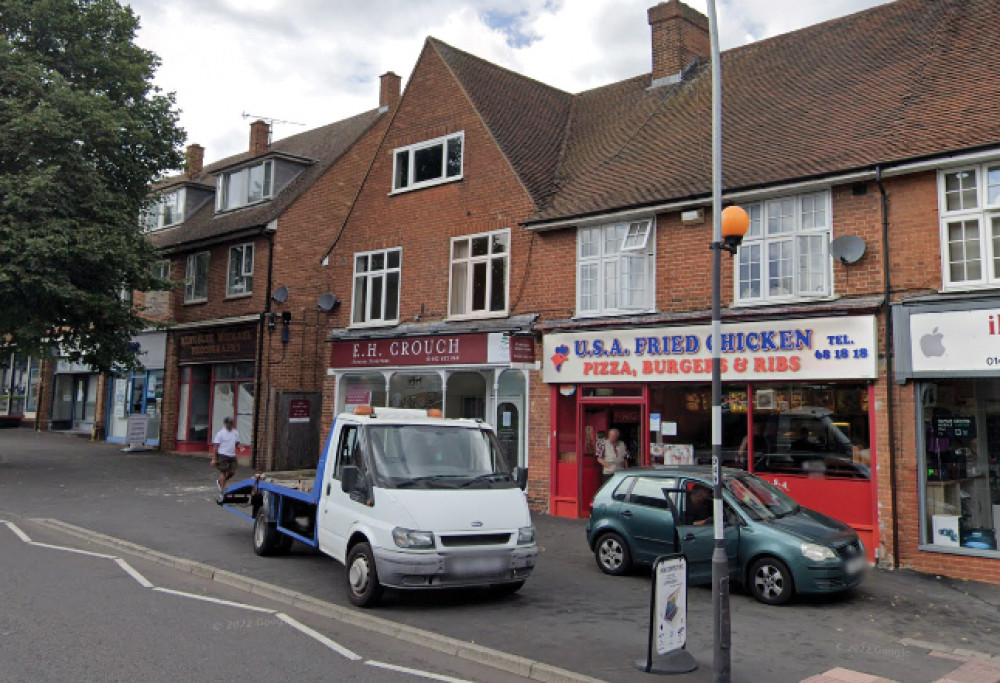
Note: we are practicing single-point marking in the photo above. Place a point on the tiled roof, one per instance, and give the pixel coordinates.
(527, 118)
(325, 145)
(904, 80)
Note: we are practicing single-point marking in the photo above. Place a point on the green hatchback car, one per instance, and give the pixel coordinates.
(776, 547)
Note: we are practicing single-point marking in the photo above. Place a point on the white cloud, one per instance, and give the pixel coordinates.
(314, 61)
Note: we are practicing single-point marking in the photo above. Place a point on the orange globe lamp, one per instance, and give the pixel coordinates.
(735, 223)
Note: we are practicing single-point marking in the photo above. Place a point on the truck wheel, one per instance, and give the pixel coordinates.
(266, 537)
(770, 581)
(612, 555)
(363, 587)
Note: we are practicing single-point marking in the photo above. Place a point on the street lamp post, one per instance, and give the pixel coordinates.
(728, 228)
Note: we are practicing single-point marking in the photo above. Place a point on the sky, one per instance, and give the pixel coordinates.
(312, 62)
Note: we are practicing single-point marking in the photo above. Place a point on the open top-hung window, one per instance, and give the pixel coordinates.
(785, 254)
(969, 201)
(244, 187)
(615, 268)
(428, 163)
(376, 287)
(479, 269)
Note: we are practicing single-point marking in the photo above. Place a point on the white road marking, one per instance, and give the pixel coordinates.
(217, 601)
(17, 531)
(336, 647)
(416, 672)
(72, 550)
(131, 571)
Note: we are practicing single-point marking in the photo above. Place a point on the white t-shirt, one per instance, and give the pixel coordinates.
(226, 440)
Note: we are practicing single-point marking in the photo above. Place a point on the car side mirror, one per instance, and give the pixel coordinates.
(520, 476)
(350, 479)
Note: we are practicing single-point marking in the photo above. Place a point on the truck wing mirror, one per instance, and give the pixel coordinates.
(520, 476)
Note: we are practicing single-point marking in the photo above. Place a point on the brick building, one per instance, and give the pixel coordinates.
(504, 218)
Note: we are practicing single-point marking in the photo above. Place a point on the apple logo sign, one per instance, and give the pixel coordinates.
(930, 344)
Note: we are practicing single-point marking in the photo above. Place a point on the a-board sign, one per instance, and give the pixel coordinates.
(137, 426)
(670, 612)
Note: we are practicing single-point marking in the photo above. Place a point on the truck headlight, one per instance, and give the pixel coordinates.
(526, 535)
(408, 538)
(817, 552)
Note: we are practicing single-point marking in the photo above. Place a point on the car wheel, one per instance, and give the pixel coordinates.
(612, 555)
(266, 537)
(363, 587)
(770, 581)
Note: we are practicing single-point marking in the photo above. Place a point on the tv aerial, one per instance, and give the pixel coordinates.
(847, 249)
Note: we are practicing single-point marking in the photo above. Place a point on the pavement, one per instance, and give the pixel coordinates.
(898, 626)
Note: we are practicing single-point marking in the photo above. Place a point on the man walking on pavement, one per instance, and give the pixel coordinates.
(224, 452)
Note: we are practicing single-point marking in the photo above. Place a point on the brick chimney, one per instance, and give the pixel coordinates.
(194, 160)
(388, 91)
(260, 137)
(680, 35)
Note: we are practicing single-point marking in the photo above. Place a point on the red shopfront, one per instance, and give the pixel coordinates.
(798, 408)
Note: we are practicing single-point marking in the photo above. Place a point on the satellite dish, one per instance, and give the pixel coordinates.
(327, 302)
(280, 294)
(848, 249)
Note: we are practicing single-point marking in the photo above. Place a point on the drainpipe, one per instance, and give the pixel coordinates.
(261, 327)
(890, 352)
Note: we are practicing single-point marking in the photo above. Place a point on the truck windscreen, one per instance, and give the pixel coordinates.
(431, 456)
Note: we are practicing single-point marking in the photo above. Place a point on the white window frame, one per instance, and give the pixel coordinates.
(471, 260)
(223, 187)
(161, 266)
(369, 276)
(984, 213)
(762, 240)
(191, 277)
(232, 292)
(411, 157)
(154, 218)
(638, 240)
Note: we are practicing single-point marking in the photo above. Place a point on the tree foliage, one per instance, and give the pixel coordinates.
(83, 133)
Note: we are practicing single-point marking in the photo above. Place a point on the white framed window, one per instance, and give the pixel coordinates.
(165, 211)
(161, 270)
(428, 163)
(244, 187)
(239, 282)
(614, 268)
(480, 265)
(376, 287)
(196, 276)
(786, 252)
(969, 206)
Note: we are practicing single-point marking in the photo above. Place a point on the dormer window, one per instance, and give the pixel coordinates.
(165, 211)
(244, 187)
(428, 163)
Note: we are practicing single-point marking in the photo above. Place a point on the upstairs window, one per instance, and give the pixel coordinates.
(785, 254)
(240, 280)
(615, 268)
(969, 203)
(479, 267)
(376, 287)
(244, 187)
(196, 275)
(165, 211)
(428, 163)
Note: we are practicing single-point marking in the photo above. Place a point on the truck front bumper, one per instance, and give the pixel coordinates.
(402, 569)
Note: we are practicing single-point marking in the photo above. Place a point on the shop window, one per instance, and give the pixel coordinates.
(479, 271)
(784, 254)
(412, 390)
(615, 268)
(960, 463)
(812, 430)
(240, 280)
(14, 390)
(685, 434)
(466, 395)
(969, 206)
(376, 287)
(233, 396)
(361, 390)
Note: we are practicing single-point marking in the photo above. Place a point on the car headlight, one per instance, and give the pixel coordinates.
(817, 552)
(408, 538)
(526, 535)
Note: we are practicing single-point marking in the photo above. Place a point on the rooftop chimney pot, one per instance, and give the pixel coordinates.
(680, 36)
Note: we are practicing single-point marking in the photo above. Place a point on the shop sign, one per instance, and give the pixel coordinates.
(455, 349)
(224, 343)
(299, 410)
(797, 349)
(955, 341)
